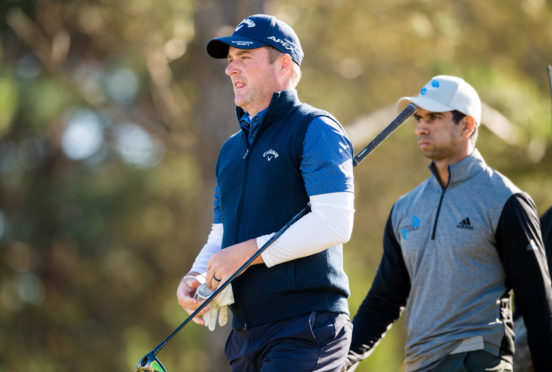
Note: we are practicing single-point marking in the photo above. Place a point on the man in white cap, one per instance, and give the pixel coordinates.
(290, 310)
(454, 247)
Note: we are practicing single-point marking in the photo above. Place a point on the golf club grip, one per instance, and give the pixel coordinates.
(549, 69)
(405, 114)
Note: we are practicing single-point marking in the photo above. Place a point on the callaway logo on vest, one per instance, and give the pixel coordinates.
(270, 154)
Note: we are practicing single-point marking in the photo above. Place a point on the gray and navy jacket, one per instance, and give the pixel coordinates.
(546, 229)
(451, 256)
(260, 187)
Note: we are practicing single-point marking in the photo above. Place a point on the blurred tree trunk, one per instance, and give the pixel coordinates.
(216, 120)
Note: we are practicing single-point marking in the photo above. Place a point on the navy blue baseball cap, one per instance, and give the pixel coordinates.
(257, 31)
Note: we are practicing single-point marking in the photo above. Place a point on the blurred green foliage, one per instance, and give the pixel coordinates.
(111, 117)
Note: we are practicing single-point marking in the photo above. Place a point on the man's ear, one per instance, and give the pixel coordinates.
(286, 63)
(468, 126)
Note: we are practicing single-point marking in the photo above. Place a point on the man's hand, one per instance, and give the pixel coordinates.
(185, 295)
(223, 264)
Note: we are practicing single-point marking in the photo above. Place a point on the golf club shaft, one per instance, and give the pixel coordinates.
(405, 114)
(390, 128)
(549, 69)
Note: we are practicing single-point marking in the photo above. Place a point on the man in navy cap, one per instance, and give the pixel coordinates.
(290, 306)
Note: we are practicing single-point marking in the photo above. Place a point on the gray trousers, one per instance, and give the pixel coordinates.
(473, 361)
(522, 356)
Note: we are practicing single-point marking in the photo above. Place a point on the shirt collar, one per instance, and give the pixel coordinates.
(249, 123)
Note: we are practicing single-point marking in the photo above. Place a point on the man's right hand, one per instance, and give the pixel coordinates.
(185, 295)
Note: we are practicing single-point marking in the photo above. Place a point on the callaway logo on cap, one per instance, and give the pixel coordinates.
(257, 31)
(446, 93)
(249, 23)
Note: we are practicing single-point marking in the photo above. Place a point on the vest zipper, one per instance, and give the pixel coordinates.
(238, 217)
(240, 204)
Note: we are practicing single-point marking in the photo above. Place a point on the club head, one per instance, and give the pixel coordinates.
(150, 363)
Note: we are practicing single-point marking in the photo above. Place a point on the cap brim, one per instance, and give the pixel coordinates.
(218, 48)
(422, 102)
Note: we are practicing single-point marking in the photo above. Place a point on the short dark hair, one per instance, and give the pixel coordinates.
(457, 116)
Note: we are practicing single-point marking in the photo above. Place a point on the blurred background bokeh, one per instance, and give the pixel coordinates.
(111, 117)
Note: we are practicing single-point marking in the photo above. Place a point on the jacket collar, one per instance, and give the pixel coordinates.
(462, 170)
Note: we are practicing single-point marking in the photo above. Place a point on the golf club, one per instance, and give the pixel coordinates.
(549, 68)
(149, 362)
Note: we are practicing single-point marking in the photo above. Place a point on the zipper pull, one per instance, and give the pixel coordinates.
(245, 155)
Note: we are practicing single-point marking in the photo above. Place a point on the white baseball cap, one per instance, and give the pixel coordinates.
(446, 93)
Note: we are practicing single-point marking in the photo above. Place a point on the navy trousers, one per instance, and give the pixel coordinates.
(318, 341)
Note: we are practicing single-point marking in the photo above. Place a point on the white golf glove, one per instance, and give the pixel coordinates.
(217, 307)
